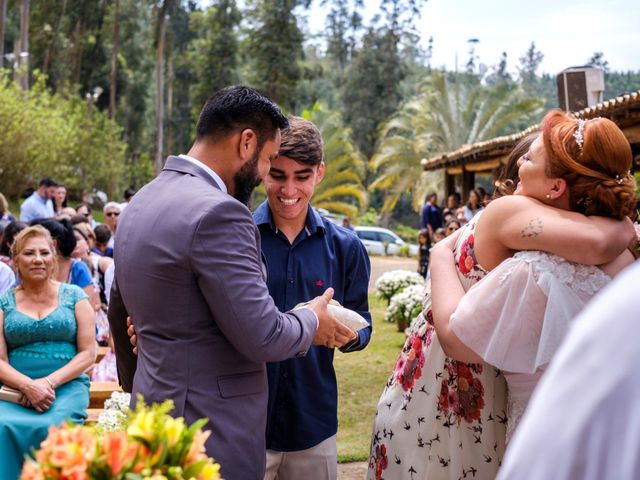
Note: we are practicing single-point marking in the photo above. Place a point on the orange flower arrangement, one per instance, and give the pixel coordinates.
(153, 445)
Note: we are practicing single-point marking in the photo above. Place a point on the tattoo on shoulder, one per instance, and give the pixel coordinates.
(533, 229)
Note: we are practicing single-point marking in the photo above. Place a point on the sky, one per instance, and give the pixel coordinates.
(567, 32)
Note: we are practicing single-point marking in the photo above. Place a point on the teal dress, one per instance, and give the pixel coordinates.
(37, 348)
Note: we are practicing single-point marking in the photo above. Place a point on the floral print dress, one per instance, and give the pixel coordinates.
(439, 418)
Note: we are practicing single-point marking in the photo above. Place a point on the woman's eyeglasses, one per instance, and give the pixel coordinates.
(112, 214)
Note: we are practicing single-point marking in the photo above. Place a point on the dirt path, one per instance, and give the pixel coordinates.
(352, 471)
(379, 265)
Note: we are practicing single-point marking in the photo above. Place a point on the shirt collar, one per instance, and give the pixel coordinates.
(313, 223)
(207, 169)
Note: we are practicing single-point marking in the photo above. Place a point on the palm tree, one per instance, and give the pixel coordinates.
(447, 114)
(342, 188)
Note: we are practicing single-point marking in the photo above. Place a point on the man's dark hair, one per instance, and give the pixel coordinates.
(429, 196)
(128, 193)
(84, 204)
(10, 231)
(103, 234)
(61, 231)
(234, 109)
(76, 219)
(47, 182)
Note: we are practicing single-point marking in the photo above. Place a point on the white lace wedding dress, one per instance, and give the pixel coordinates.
(517, 316)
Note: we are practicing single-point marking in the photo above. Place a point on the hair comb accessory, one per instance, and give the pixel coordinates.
(620, 179)
(579, 133)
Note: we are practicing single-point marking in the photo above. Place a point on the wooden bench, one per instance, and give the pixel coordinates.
(92, 415)
(102, 351)
(100, 391)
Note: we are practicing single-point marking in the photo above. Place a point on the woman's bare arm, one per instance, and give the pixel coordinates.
(446, 293)
(517, 222)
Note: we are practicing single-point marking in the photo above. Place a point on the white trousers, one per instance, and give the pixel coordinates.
(317, 463)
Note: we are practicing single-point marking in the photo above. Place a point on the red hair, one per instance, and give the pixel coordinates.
(597, 172)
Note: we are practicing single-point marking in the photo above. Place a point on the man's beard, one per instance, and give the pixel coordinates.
(246, 180)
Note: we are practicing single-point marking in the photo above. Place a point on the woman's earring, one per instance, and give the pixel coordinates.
(548, 196)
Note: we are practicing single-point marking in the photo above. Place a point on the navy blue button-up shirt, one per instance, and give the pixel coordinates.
(303, 393)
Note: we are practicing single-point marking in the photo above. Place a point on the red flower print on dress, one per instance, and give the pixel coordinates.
(462, 393)
(380, 461)
(411, 360)
(467, 259)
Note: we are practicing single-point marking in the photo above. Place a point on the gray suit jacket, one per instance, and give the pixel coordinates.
(189, 272)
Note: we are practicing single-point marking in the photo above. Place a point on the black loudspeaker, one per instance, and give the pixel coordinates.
(580, 87)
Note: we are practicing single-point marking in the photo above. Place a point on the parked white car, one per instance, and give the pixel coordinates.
(375, 239)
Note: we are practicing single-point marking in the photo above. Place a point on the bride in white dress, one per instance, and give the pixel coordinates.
(517, 316)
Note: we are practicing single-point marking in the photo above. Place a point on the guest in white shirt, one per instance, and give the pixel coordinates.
(7, 278)
(39, 204)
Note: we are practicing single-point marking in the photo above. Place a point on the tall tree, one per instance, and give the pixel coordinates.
(499, 72)
(135, 102)
(23, 50)
(529, 64)
(342, 189)
(372, 90)
(473, 58)
(115, 43)
(342, 24)
(448, 113)
(275, 45)
(597, 60)
(161, 29)
(213, 52)
(3, 22)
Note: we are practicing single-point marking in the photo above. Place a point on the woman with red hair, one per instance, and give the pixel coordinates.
(440, 418)
(516, 317)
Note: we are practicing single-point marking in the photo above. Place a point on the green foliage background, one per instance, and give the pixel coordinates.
(46, 133)
(383, 103)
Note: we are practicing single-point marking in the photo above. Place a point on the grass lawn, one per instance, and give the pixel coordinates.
(361, 379)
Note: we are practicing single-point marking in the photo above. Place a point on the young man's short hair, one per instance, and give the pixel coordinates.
(102, 233)
(302, 142)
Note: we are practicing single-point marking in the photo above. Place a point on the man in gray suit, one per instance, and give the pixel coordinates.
(189, 273)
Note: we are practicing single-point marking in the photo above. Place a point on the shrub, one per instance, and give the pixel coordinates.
(393, 282)
(405, 306)
(408, 234)
(60, 135)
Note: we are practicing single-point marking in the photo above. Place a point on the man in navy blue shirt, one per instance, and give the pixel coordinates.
(305, 254)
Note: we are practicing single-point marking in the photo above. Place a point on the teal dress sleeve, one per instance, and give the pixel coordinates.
(72, 294)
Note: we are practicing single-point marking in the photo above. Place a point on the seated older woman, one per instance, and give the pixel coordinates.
(47, 341)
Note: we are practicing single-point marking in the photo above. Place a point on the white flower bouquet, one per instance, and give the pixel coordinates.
(395, 281)
(405, 306)
(115, 413)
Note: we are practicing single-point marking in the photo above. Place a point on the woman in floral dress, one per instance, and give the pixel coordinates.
(433, 407)
(439, 418)
(517, 317)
